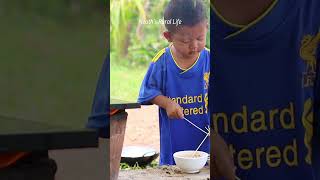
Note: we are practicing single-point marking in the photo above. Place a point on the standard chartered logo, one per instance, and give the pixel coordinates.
(257, 121)
(199, 104)
(276, 120)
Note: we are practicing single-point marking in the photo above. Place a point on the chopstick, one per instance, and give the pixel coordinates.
(208, 129)
(207, 134)
(200, 145)
(195, 125)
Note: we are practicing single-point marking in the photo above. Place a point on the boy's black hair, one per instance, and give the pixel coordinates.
(190, 12)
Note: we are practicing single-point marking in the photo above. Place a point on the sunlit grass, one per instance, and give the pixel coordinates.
(125, 81)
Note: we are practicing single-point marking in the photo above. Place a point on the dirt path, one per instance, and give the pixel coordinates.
(143, 127)
(163, 173)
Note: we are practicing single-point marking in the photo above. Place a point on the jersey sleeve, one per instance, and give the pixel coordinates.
(99, 118)
(153, 82)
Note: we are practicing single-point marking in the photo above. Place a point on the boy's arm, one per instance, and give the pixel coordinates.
(173, 109)
(152, 88)
(152, 84)
(99, 118)
(221, 160)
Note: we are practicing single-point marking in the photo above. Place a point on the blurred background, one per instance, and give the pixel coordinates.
(134, 44)
(51, 53)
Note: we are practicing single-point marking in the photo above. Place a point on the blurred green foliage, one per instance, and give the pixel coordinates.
(54, 8)
(51, 56)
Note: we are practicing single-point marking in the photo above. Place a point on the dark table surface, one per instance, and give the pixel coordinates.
(120, 104)
(27, 135)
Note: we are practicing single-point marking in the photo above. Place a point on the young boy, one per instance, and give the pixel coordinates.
(177, 80)
(265, 99)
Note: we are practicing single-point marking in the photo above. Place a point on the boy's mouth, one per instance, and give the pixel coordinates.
(192, 52)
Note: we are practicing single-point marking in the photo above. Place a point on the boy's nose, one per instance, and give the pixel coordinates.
(193, 46)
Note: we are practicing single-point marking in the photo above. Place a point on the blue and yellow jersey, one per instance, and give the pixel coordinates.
(187, 87)
(265, 99)
(99, 117)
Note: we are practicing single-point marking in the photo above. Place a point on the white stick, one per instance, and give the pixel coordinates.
(200, 144)
(195, 126)
(208, 129)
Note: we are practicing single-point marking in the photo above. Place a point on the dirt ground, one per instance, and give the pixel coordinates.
(163, 173)
(143, 127)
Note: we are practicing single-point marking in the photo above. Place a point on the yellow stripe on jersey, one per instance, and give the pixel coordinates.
(254, 22)
(192, 65)
(158, 55)
(174, 60)
(223, 19)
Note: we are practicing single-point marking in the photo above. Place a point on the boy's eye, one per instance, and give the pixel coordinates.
(185, 41)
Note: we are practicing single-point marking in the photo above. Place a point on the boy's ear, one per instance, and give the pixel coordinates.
(168, 36)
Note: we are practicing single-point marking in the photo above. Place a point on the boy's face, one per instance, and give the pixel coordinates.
(189, 41)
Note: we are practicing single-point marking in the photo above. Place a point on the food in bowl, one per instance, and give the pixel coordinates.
(189, 161)
(191, 155)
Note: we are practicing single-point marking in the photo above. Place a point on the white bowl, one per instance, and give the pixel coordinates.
(189, 164)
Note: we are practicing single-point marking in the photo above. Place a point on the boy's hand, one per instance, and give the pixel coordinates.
(221, 160)
(174, 110)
